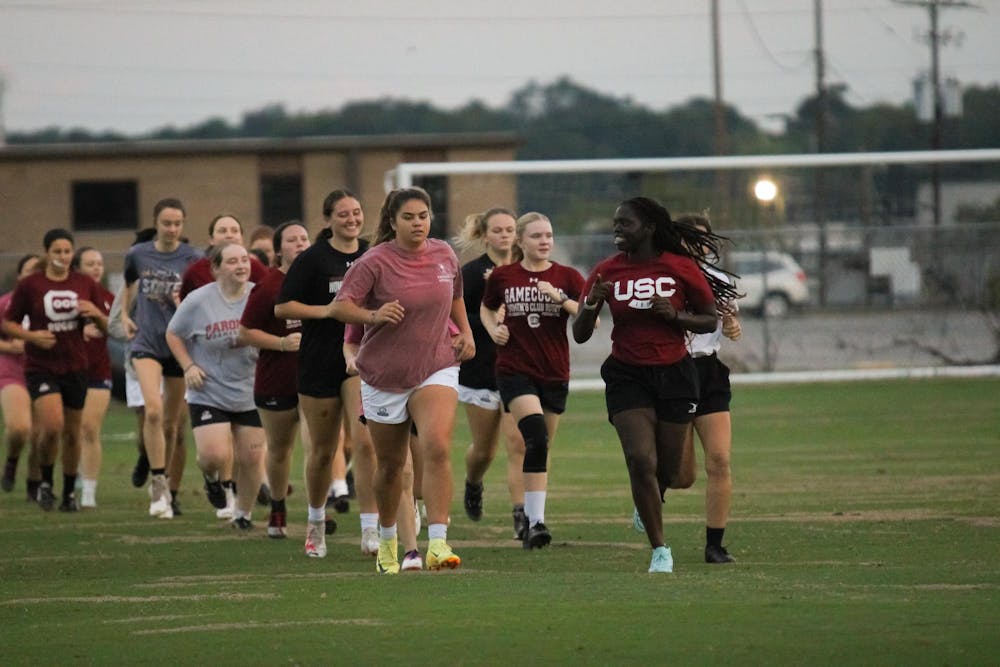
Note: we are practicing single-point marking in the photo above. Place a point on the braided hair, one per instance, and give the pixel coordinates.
(687, 240)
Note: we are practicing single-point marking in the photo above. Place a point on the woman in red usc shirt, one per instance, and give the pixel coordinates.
(532, 366)
(57, 302)
(656, 291)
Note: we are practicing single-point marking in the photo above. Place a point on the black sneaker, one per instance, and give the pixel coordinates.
(264, 495)
(140, 473)
(175, 507)
(46, 499)
(9, 474)
(473, 500)
(276, 526)
(242, 524)
(339, 504)
(330, 527)
(68, 504)
(520, 522)
(717, 554)
(215, 492)
(536, 536)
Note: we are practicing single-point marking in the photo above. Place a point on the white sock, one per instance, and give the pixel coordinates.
(387, 532)
(90, 486)
(317, 513)
(240, 514)
(534, 506)
(369, 520)
(338, 488)
(437, 531)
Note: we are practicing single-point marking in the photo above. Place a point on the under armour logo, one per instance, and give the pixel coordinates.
(382, 412)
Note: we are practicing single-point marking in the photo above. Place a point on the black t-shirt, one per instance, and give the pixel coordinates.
(314, 278)
(478, 372)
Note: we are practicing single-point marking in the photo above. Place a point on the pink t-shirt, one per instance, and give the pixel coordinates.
(11, 365)
(399, 357)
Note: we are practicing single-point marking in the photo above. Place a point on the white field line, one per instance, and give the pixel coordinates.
(117, 599)
(246, 625)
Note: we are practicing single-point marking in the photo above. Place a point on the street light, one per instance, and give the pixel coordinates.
(766, 191)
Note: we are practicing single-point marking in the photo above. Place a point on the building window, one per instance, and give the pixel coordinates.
(280, 198)
(437, 188)
(101, 205)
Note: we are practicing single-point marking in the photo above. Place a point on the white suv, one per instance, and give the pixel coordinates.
(786, 281)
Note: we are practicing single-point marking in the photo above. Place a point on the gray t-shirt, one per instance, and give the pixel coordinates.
(209, 325)
(159, 277)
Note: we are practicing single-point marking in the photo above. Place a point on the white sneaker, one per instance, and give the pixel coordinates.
(369, 541)
(229, 510)
(159, 498)
(412, 561)
(88, 499)
(662, 561)
(316, 539)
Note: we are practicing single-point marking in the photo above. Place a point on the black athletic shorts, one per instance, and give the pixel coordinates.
(71, 386)
(317, 382)
(276, 403)
(552, 395)
(203, 415)
(713, 379)
(95, 383)
(671, 390)
(171, 369)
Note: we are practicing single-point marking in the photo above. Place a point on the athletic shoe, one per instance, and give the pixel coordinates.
(88, 499)
(175, 507)
(68, 504)
(140, 473)
(228, 510)
(412, 561)
(387, 562)
(520, 522)
(474, 500)
(215, 492)
(663, 560)
(536, 537)
(46, 499)
(440, 555)
(329, 526)
(339, 504)
(717, 554)
(637, 524)
(159, 498)
(369, 541)
(315, 540)
(242, 524)
(276, 526)
(264, 495)
(9, 475)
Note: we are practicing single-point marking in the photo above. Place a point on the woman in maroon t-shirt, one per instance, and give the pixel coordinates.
(656, 292)
(532, 366)
(275, 388)
(57, 302)
(90, 262)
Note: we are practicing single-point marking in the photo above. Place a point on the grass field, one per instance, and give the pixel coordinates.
(866, 524)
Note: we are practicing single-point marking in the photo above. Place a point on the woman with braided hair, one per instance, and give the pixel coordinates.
(656, 291)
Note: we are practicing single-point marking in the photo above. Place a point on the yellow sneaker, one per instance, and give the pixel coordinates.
(387, 562)
(440, 555)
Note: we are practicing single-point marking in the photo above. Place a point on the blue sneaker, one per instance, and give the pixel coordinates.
(663, 560)
(637, 524)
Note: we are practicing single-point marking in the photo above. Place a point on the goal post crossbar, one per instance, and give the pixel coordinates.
(402, 175)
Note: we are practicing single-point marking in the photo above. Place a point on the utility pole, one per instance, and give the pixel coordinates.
(721, 134)
(819, 183)
(937, 129)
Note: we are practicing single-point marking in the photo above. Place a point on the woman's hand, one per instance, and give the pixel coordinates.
(389, 313)
(464, 346)
(291, 342)
(599, 293)
(43, 338)
(129, 327)
(549, 290)
(91, 332)
(731, 327)
(194, 377)
(663, 308)
(500, 335)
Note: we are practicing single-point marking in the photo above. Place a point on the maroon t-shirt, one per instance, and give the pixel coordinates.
(199, 274)
(98, 359)
(538, 346)
(276, 371)
(638, 336)
(52, 305)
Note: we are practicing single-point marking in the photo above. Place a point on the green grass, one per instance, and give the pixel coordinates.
(866, 523)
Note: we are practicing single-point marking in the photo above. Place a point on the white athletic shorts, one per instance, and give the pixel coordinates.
(487, 399)
(133, 393)
(386, 407)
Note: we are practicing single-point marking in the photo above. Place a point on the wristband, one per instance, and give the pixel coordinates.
(587, 305)
(189, 367)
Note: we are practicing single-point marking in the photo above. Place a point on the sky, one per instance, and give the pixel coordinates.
(138, 65)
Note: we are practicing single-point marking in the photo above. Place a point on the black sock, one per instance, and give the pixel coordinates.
(277, 505)
(32, 486)
(47, 472)
(157, 471)
(69, 486)
(229, 484)
(12, 460)
(173, 495)
(713, 536)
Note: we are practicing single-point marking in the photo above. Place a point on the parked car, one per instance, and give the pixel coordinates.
(786, 281)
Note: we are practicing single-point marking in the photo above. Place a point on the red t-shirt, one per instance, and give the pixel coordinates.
(638, 336)
(52, 305)
(199, 274)
(98, 359)
(276, 371)
(538, 346)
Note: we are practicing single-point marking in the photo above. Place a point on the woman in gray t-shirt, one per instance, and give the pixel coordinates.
(218, 372)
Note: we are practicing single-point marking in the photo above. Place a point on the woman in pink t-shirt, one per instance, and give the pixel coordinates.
(404, 290)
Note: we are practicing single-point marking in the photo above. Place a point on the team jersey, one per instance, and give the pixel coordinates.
(398, 357)
(276, 371)
(638, 336)
(98, 359)
(314, 279)
(478, 372)
(159, 277)
(538, 346)
(209, 325)
(200, 274)
(53, 305)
